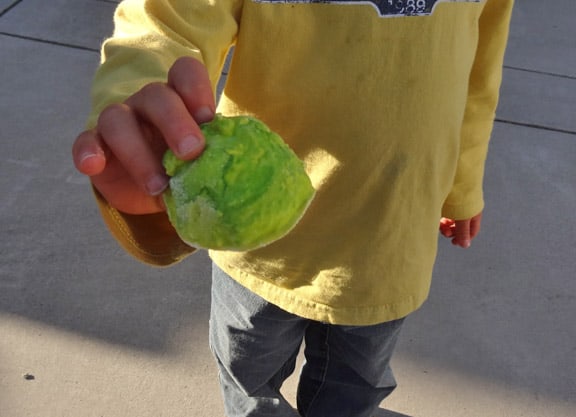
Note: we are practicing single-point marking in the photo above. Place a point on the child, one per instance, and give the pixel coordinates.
(389, 103)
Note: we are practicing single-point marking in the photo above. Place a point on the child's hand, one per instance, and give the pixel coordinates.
(123, 153)
(461, 231)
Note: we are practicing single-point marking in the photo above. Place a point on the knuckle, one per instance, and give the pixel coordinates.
(151, 90)
(183, 63)
(111, 114)
(154, 102)
(179, 63)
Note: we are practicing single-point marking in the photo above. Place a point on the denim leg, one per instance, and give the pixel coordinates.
(255, 344)
(347, 371)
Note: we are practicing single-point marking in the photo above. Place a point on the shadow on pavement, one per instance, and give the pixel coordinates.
(387, 413)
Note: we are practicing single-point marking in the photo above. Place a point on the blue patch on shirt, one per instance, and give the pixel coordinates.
(386, 8)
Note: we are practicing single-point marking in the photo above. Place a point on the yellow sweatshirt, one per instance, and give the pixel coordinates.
(389, 103)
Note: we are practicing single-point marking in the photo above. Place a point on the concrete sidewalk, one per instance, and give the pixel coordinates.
(85, 331)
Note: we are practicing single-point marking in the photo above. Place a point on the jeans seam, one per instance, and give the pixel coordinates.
(324, 372)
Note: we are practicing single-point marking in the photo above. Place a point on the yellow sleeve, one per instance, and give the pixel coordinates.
(149, 36)
(466, 197)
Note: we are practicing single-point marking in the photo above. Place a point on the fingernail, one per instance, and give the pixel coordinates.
(86, 156)
(89, 155)
(188, 145)
(466, 244)
(156, 185)
(203, 114)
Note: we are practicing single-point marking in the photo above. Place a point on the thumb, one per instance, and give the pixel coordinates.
(462, 233)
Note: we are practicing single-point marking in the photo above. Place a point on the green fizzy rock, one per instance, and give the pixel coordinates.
(246, 190)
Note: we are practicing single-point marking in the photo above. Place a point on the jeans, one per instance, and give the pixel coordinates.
(255, 343)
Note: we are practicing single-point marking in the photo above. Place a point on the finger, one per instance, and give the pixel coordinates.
(190, 79)
(160, 106)
(118, 189)
(120, 129)
(462, 233)
(475, 225)
(446, 227)
(88, 153)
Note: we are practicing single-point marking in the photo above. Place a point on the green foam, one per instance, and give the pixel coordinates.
(246, 190)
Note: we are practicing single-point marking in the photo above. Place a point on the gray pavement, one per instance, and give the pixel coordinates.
(85, 331)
